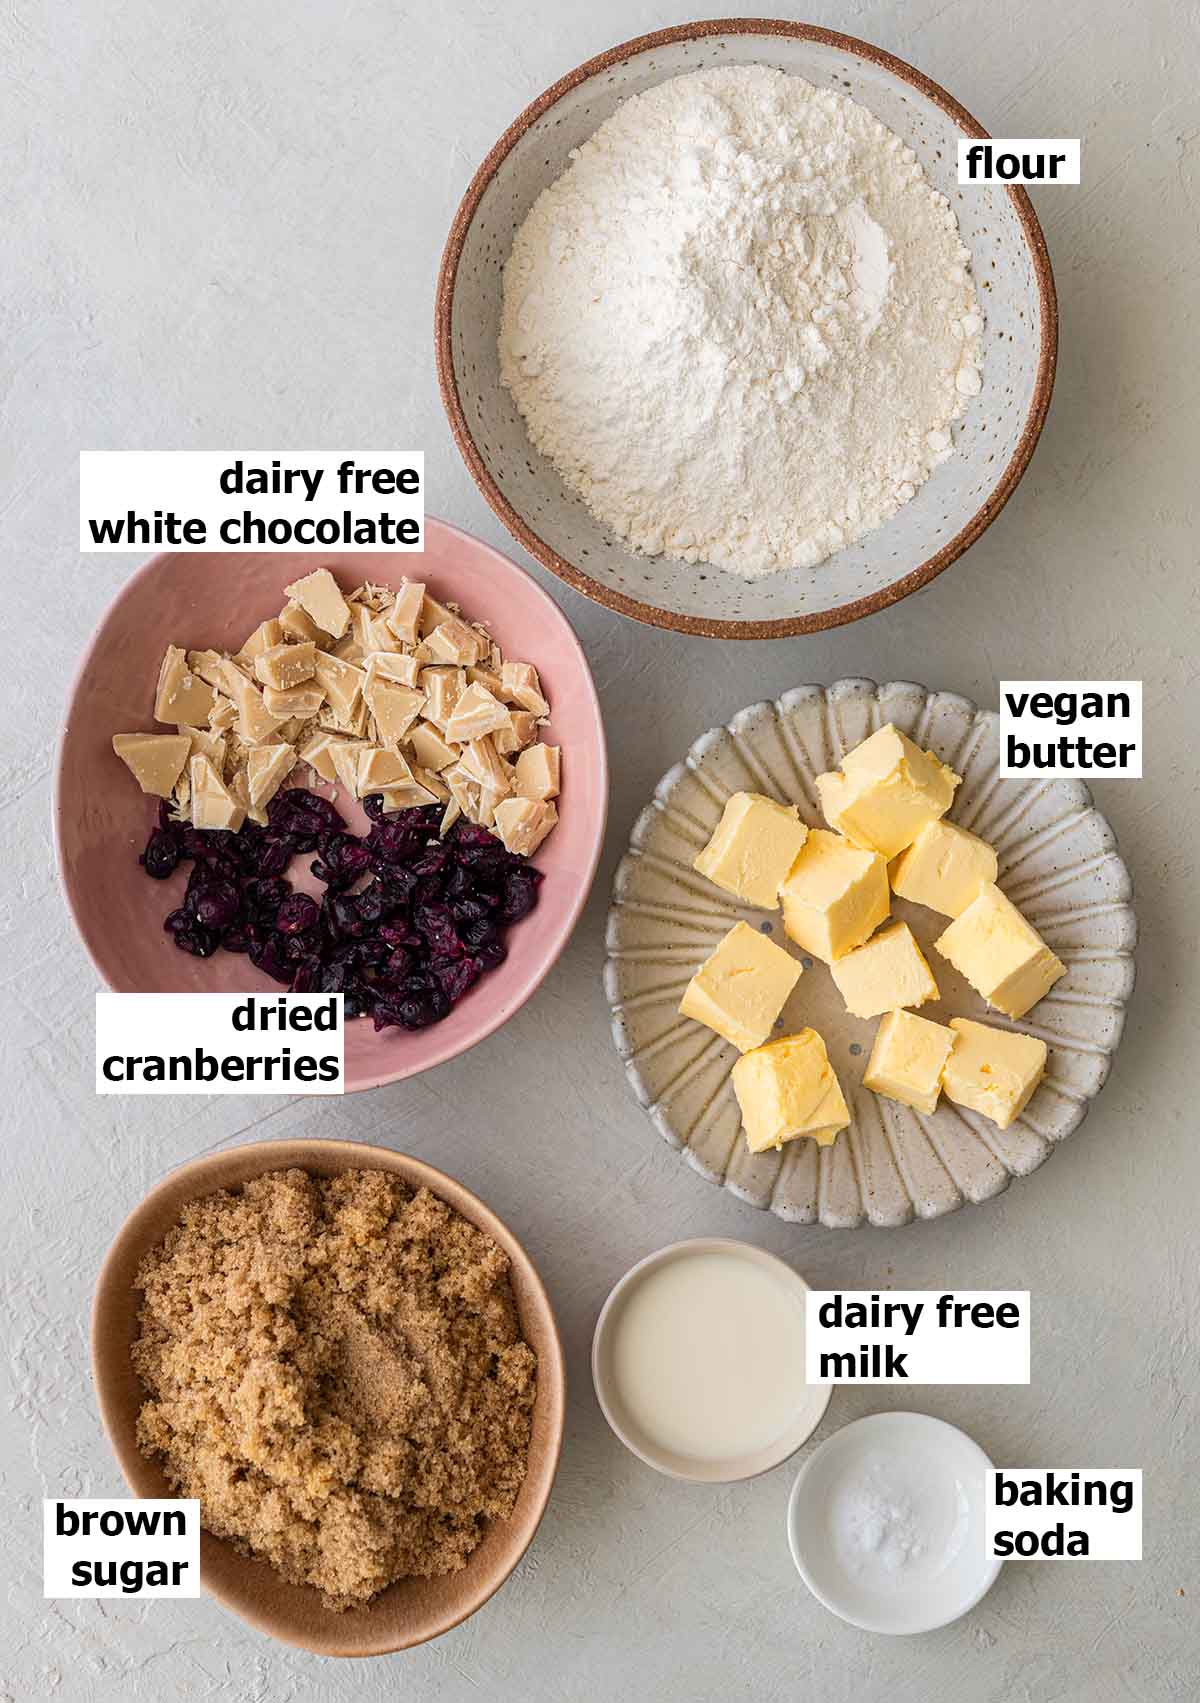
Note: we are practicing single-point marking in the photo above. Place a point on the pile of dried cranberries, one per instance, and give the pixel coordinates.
(407, 923)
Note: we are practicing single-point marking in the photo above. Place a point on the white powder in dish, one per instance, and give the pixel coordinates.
(741, 322)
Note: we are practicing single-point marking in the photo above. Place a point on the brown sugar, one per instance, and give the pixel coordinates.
(334, 1366)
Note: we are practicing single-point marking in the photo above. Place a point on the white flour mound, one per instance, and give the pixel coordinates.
(741, 322)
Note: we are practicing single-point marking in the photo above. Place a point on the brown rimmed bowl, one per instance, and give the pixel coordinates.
(995, 439)
(412, 1610)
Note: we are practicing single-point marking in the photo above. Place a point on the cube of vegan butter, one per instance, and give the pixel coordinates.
(944, 868)
(522, 823)
(888, 972)
(213, 805)
(286, 665)
(320, 597)
(992, 1071)
(538, 772)
(181, 695)
(907, 1059)
(886, 791)
(834, 897)
(755, 844)
(741, 989)
(155, 760)
(788, 1089)
(1002, 956)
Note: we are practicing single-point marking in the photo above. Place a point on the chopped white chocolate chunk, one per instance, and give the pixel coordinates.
(394, 707)
(379, 769)
(454, 641)
(480, 761)
(391, 695)
(222, 715)
(155, 760)
(392, 665)
(265, 637)
(300, 702)
(297, 623)
(181, 696)
(319, 595)
(475, 714)
(522, 686)
(442, 688)
(213, 805)
(537, 772)
(430, 749)
(286, 665)
(343, 683)
(208, 744)
(523, 823)
(404, 617)
(521, 732)
(267, 766)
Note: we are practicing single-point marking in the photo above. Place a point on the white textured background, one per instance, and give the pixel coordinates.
(221, 224)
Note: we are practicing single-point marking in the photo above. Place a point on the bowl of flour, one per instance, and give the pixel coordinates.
(724, 344)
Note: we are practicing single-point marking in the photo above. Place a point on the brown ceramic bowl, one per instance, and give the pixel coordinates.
(412, 1610)
(995, 438)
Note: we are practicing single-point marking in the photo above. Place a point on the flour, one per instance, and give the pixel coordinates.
(741, 322)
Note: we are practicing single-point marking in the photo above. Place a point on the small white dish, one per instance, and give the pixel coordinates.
(886, 1523)
(626, 1414)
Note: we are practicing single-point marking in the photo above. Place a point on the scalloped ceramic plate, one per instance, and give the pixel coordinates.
(1058, 862)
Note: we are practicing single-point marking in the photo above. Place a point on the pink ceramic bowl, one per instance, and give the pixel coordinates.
(101, 820)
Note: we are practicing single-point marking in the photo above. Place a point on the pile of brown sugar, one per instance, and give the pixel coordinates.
(334, 1366)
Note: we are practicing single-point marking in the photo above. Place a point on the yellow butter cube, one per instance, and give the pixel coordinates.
(886, 791)
(834, 897)
(788, 1089)
(1002, 956)
(907, 1060)
(742, 988)
(755, 844)
(992, 1071)
(888, 972)
(944, 868)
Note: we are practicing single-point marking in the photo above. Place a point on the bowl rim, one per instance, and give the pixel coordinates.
(265, 1156)
(793, 625)
(500, 1012)
(762, 1460)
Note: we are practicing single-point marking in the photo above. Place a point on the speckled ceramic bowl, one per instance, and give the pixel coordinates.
(412, 1610)
(1058, 862)
(995, 438)
(101, 820)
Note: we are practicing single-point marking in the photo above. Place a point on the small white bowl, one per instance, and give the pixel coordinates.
(723, 1470)
(930, 1597)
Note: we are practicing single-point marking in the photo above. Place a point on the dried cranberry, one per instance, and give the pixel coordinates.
(520, 894)
(161, 856)
(297, 913)
(196, 940)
